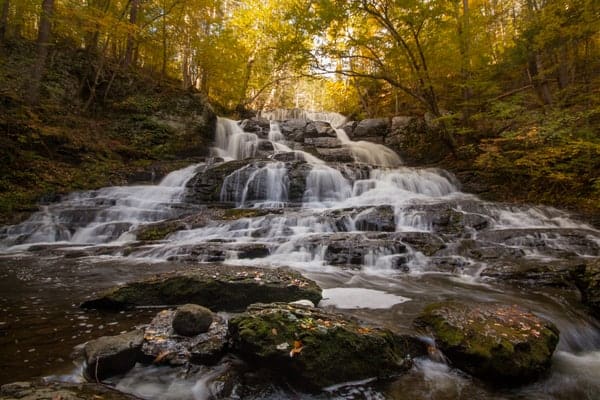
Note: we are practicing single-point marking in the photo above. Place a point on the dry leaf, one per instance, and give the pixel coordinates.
(161, 356)
(297, 348)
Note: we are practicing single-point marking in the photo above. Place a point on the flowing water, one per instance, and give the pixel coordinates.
(383, 241)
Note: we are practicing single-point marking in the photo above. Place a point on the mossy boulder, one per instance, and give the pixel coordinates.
(192, 319)
(587, 279)
(314, 349)
(499, 343)
(218, 287)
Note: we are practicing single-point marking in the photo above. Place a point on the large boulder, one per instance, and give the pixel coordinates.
(218, 287)
(315, 349)
(112, 355)
(502, 344)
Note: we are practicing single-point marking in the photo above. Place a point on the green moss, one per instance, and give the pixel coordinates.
(237, 213)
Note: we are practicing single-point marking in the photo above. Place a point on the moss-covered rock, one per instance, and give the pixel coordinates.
(218, 287)
(315, 349)
(495, 342)
(159, 230)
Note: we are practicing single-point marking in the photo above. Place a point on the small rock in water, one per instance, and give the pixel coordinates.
(503, 344)
(192, 319)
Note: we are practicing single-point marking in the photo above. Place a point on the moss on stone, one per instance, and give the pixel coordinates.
(495, 342)
(314, 349)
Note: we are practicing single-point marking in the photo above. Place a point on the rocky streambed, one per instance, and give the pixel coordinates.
(409, 288)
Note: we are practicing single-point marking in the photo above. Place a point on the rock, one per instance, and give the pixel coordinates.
(259, 126)
(327, 142)
(315, 349)
(587, 279)
(159, 230)
(381, 218)
(416, 141)
(498, 343)
(162, 344)
(306, 303)
(192, 319)
(369, 129)
(341, 155)
(216, 286)
(112, 355)
(43, 390)
(524, 271)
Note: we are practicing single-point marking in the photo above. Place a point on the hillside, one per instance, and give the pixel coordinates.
(136, 128)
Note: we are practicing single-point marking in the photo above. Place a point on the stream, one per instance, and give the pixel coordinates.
(383, 240)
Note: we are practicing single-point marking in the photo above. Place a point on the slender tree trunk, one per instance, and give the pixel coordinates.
(538, 81)
(18, 21)
(465, 68)
(133, 11)
(4, 19)
(163, 69)
(563, 68)
(43, 42)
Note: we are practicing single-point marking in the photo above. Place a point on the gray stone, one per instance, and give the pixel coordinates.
(192, 319)
(112, 355)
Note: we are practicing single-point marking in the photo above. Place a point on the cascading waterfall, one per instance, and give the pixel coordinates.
(369, 153)
(371, 227)
(103, 215)
(232, 143)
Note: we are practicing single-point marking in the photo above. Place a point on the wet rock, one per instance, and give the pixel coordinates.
(314, 349)
(112, 355)
(499, 343)
(218, 287)
(445, 218)
(256, 125)
(373, 130)
(43, 390)
(159, 230)
(342, 155)
(192, 319)
(552, 273)
(352, 249)
(587, 279)
(380, 218)
(327, 142)
(219, 251)
(163, 344)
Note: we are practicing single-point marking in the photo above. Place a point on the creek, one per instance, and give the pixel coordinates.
(383, 240)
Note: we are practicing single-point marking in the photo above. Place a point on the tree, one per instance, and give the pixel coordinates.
(43, 43)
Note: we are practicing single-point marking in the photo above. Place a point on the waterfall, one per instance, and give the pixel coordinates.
(103, 215)
(232, 143)
(325, 185)
(369, 153)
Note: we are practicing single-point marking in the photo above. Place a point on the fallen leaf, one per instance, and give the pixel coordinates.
(296, 349)
(274, 331)
(161, 356)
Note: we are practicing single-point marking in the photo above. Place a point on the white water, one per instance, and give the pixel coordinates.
(369, 153)
(104, 215)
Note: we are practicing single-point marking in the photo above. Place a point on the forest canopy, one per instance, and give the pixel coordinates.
(367, 57)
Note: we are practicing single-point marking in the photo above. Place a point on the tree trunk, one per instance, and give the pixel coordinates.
(4, 19)
(133, 11)
(43, 42)
(563, 68)
(18, 21)
(465, 67)
(538, 81)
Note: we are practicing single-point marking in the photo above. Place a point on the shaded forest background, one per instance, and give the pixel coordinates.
(97, 92)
